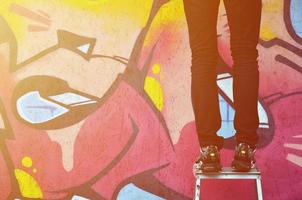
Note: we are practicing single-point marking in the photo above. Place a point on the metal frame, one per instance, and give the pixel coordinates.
(228, 173)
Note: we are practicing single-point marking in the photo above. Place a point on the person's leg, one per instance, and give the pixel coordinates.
(244, 22)
(201, 18)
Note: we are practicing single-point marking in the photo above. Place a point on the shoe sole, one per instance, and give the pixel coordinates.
(210, 168)
(241, 166)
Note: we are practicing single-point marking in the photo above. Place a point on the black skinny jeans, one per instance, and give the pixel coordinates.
(244, 22)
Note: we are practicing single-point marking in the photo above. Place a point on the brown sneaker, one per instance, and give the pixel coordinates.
(208, 161)
(244, 159)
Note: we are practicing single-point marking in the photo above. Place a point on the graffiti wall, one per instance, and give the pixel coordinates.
(95, 101)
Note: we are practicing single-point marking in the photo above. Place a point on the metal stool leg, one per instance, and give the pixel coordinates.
(259, 188)
(197, 189)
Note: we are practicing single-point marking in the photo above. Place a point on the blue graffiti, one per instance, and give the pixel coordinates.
(296, 16)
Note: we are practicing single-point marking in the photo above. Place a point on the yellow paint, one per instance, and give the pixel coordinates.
(27, 162)
(273, 7)
(170, 13)
(137, 10)
(266, 33)
(17, 23)
(29, 187)
(156, 68)
(155, 92)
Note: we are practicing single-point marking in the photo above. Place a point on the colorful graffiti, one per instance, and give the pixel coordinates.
(95, 101)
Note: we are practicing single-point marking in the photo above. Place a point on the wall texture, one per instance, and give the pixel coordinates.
(95, 101)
